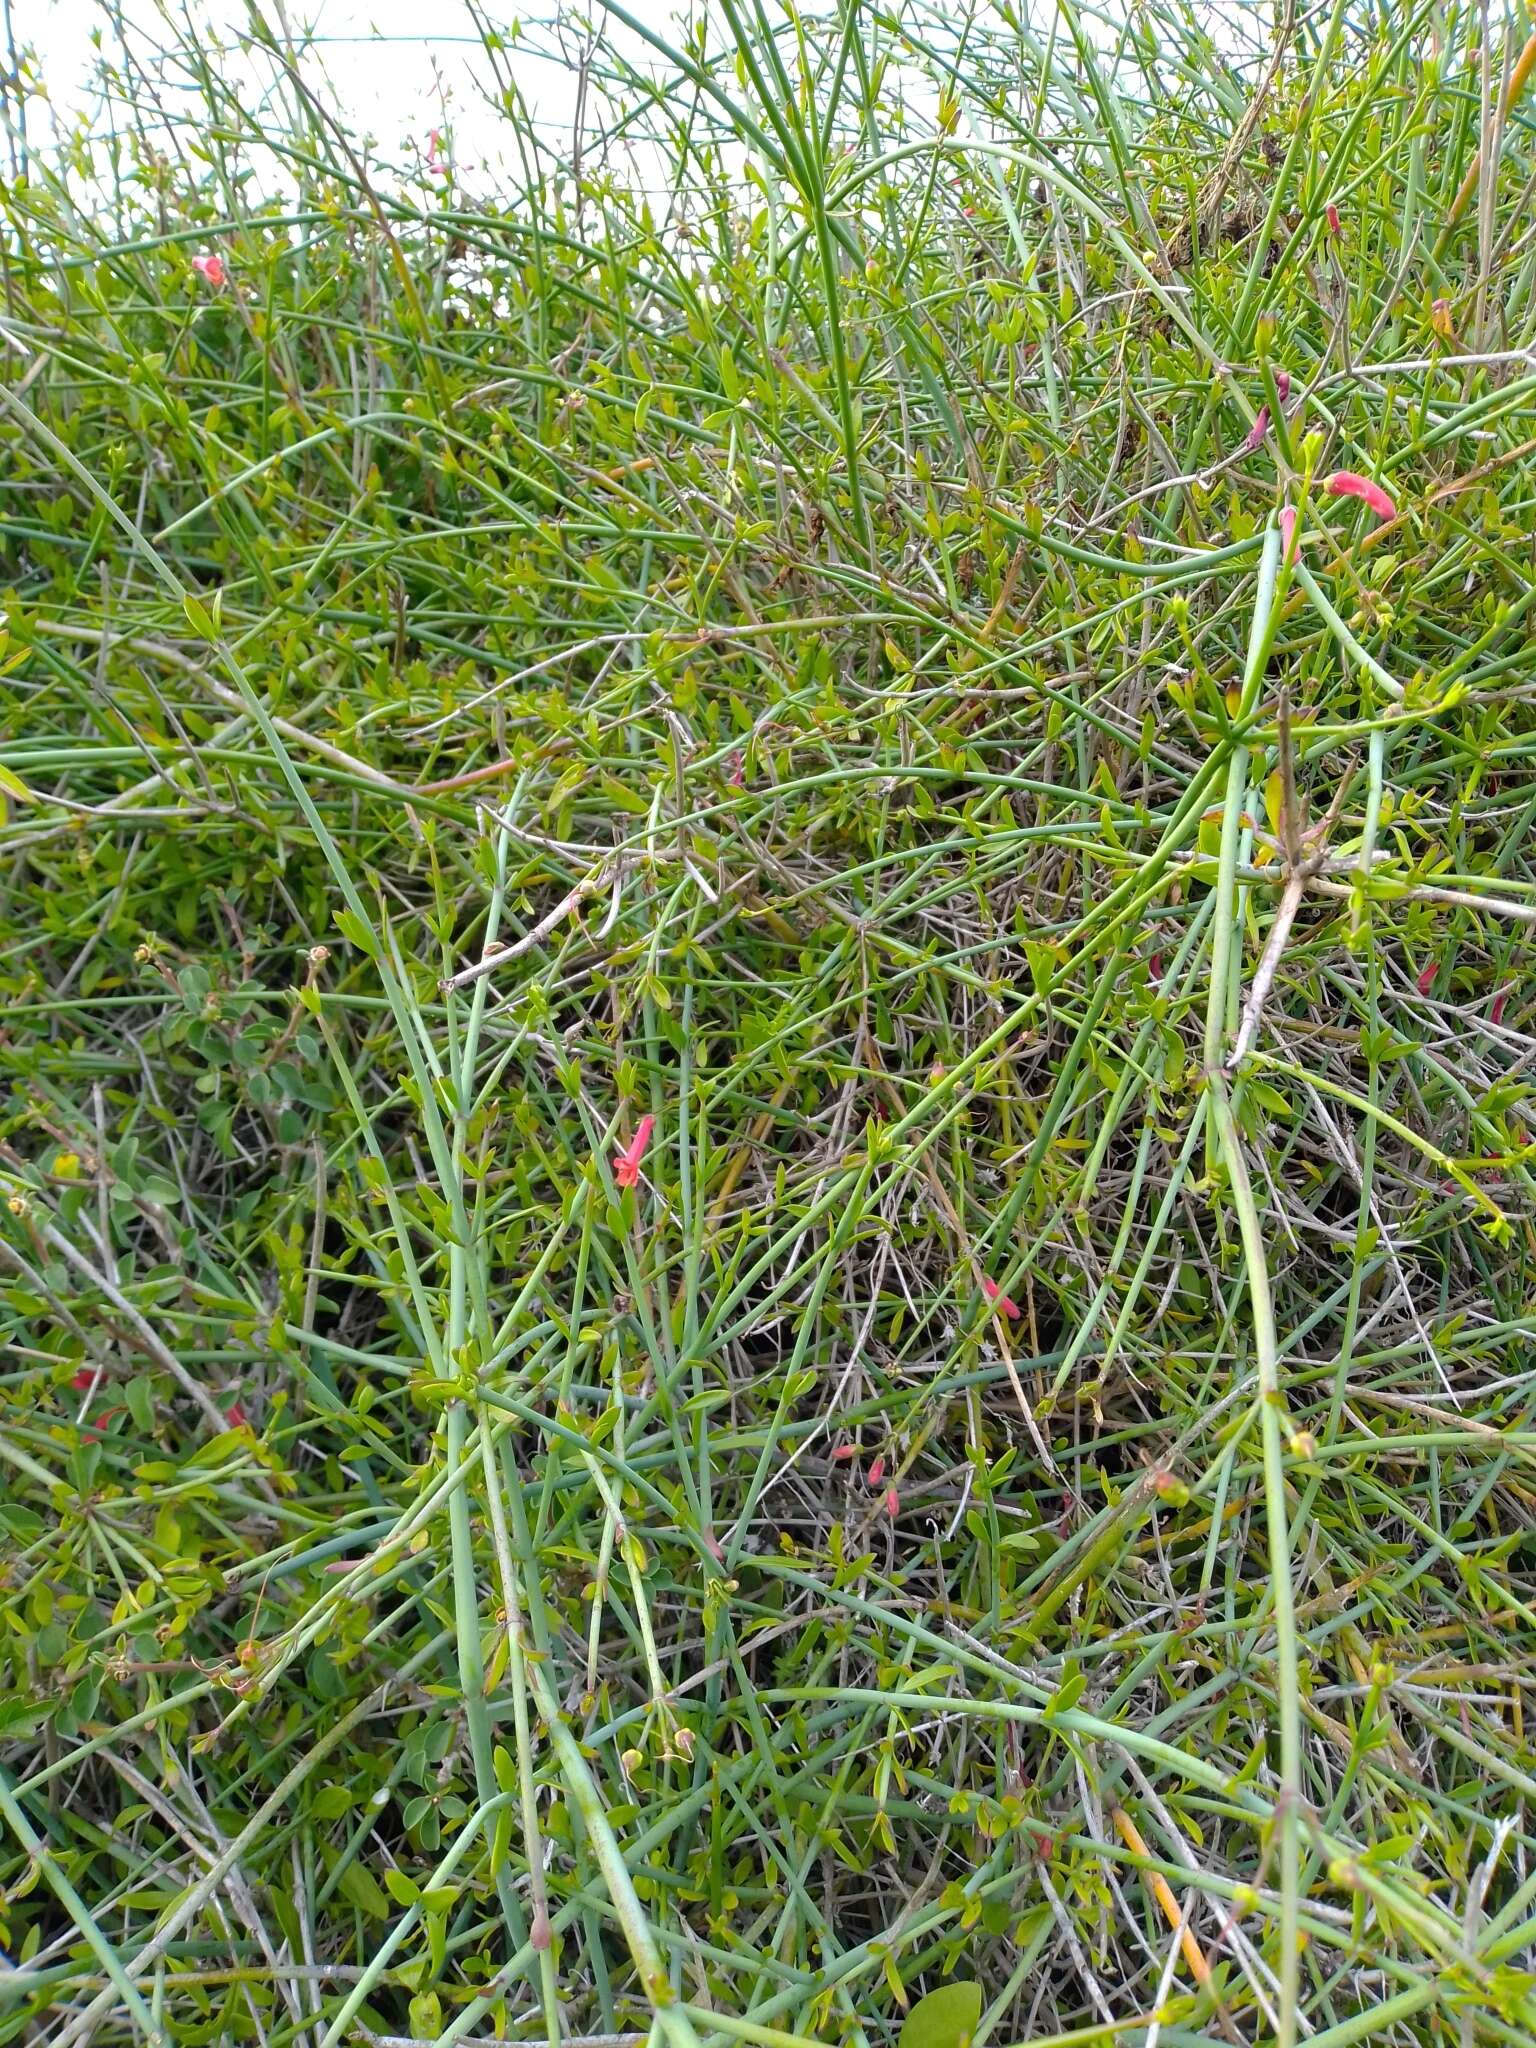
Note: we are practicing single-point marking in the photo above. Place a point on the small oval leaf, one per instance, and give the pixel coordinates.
(945, 2018)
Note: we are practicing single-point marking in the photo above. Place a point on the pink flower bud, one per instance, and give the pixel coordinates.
(1348, 483)
(1005, 1302)
(841, 1453)
(626, 1167)
(1332, 213)
(876, 1472)
(892, 1502)
(1283, 384)
(1257, 431)
(1287, 520)
(1427, 977)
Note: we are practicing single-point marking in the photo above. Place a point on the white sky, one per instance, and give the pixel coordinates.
(397, 68)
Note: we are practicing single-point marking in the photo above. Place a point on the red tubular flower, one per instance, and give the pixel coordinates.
(86, 1379)
(236, 1416)
(841, 1453)
(1427, 977)
(1348, 483)
(626, 1168)
(1005, 1302)
(210, 269)
(876, 1472)
(1257, 431)
(1332, 213)
(892, 1502)
(436, 168)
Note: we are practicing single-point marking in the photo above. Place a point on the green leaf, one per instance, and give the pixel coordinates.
(203, 619)
(140, 1395)
(324, 1683)
(359, 1887)
(1066, 1696)
(426, 2014)
(19, 1717)
(354, 931)
(945, 2018)
(501, 1841)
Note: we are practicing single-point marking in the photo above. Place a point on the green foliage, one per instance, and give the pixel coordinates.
(943, 2018)
(766, 1140)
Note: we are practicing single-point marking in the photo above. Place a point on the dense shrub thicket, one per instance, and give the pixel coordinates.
(766, 1139)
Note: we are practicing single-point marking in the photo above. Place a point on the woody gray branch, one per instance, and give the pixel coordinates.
(589, 885)
(1306, 870)
(1301, 865)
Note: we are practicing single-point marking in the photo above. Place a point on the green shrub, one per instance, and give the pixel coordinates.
(925, 1382)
